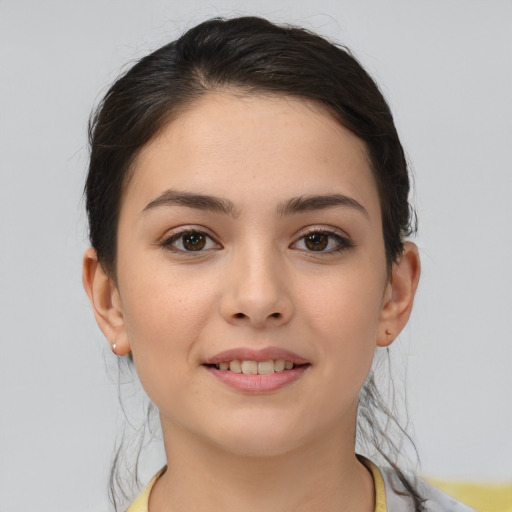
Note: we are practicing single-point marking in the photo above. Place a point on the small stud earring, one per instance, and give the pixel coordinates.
(114, 347)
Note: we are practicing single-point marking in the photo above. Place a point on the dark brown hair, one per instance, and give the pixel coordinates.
(248, 56)
(252, 56)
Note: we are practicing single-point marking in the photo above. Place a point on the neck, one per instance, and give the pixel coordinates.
(324, 476)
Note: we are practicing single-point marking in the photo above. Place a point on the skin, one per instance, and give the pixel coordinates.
(256, 284)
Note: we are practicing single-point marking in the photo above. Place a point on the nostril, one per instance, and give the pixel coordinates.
(276, 315)
(239, 315)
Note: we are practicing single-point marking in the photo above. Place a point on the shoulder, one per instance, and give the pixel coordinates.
(142, 501)
(399, 500)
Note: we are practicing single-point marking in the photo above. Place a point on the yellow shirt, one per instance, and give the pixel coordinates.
(141, 503)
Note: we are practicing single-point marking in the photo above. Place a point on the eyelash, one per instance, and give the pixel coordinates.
(343, 242)
(169, 242)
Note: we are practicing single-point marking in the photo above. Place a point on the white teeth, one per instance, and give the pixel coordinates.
(235, 366)
(265, 367)
(249, 367)
(255, 367)
(279, 365)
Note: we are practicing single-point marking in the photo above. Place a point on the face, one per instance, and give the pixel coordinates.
(251, 233)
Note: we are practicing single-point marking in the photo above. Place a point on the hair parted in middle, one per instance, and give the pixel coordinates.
(247, 56)
(251, 56)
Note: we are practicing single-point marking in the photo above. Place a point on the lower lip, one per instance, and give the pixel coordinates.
(258, 383)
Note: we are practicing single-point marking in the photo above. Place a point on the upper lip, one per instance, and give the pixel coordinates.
(259, 355)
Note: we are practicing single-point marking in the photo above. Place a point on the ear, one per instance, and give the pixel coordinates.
(399, 295)
(106, 302)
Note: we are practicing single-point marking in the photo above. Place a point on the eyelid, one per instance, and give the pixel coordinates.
(331, 230)
(174, 234)
(345, 240)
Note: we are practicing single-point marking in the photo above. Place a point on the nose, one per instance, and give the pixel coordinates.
(257, 291)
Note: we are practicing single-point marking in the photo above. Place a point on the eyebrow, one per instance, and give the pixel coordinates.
(225, 206)
(319, 202)
(191, 200)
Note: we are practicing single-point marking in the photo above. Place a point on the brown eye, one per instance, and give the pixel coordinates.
(316, 241)
(194, 241)
(325, 242)
(190, 241)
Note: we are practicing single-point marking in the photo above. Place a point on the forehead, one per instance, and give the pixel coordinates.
(248, 147)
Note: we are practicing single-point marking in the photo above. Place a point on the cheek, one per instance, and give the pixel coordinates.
(345, 314)
(165, 313)
(348, 301)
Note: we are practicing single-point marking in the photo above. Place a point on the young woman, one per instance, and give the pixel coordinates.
(248, 208)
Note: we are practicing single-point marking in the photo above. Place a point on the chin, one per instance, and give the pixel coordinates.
(259, 438)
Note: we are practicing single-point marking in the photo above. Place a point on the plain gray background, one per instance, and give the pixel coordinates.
(445, 67)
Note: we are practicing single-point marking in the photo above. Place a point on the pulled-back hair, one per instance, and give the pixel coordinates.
(253, 56)
(247, 56)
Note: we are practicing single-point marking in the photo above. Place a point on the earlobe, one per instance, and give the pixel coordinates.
(399, 295)
(105, 301)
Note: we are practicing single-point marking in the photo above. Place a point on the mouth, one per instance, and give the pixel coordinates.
(257, 371)
(250, 367)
